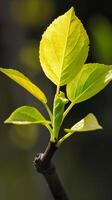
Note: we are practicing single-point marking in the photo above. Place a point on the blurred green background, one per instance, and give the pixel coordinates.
(84, 162)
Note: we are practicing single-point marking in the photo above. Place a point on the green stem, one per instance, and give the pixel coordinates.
(63, 139)
(49, 112)
(58, 89)
(68, 110)
(50, 129)
(52, 138)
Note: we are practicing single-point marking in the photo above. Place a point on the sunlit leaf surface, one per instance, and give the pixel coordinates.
(26, 115)
(91, 80)
(25, 83)
(64, 48)
(89, 123)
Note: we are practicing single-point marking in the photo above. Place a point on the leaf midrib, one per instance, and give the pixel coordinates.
(61, 66)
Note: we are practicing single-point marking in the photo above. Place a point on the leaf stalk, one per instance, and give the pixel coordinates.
(68, 110)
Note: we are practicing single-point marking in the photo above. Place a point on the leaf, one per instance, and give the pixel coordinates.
(26, 115)
(58, 109)
(22, 80)
(89, 123)
(91, 80)
(64, 48)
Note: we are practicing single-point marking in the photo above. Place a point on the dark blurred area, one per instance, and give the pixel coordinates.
(84, 162)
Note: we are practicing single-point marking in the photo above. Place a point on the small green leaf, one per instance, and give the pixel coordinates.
(22, 80)
(89, 123)
(26, 115)
(91, 80)
(58, 109)
(64, 48)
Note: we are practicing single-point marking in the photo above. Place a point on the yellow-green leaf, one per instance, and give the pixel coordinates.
(22, 80)
(89, 123)
(91, 80)
(26, 115)
(64, 48)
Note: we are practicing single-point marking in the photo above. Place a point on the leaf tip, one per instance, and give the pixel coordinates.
(71, 10)
(100, 127)
(1, 69)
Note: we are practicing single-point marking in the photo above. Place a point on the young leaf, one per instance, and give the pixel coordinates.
(64, 48)
(58, 109)
(89, 123)
(91, 80)
(22, 80)
(26, 115)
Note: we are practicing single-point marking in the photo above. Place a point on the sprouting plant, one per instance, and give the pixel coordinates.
(63, 51)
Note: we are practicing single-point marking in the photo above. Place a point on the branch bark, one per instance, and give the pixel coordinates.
(43, 164)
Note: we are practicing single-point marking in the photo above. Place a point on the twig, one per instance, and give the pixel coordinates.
(44, 165)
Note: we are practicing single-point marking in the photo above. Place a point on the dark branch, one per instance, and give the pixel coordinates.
(44, 165)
